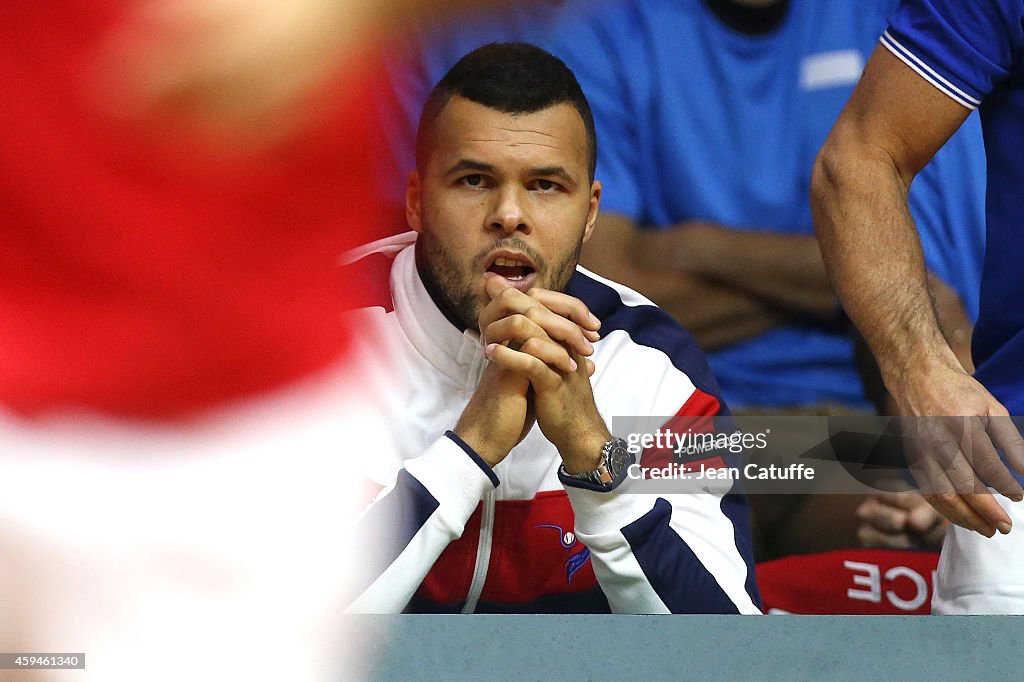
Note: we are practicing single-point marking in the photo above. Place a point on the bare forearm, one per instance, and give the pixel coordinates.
(785, 270)
(872, 250)
(716, 314)
(859, 204)
(956, 329)
(953, 321)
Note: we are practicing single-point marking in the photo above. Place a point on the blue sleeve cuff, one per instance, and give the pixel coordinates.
(473, 456)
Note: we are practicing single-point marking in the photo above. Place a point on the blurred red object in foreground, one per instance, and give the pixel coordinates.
(153, 268)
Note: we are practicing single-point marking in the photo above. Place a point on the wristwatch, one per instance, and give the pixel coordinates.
(615, 460)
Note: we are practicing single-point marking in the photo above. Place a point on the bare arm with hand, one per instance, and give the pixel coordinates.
(457, 470)
(873, 254)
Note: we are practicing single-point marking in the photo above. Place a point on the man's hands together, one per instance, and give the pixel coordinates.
(899, 520)
(538, 344)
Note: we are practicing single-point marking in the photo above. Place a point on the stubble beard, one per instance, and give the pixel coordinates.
(457, 285)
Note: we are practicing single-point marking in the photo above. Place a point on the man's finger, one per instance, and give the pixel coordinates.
(985, 461)
(559, 328)
(987, 507)
(955, 508)
(505, 301)
(868, 536)
(881, 516)
(541, 376)
(966, 484)
(569, 307)
(525, 331)
(550, 353)
(903, 500)
(934, 536)
(1007, 438)
(922, 519)
(510, 301)
(934, 457)
(932, 475)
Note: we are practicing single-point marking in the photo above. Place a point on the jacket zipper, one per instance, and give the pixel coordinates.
(483, 546)
(483, 553)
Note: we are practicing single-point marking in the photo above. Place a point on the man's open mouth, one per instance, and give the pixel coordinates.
(511, 268)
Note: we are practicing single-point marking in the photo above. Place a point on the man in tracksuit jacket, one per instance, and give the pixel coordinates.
(497, 365)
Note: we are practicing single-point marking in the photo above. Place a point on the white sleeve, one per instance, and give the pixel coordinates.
(665, 553)
(411, 522)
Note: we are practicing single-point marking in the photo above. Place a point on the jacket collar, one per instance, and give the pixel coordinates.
(458, 355)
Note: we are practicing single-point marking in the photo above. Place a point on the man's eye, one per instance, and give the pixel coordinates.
(546, 185)
(475, 180)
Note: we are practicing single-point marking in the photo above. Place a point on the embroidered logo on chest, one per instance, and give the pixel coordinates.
(576, 559)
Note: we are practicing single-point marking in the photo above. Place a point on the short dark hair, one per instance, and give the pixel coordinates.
(513, 78)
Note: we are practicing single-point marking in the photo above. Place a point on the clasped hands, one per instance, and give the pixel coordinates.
(538, 344)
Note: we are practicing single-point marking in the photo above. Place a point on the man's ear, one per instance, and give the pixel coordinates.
(595, 199)
(414, 202)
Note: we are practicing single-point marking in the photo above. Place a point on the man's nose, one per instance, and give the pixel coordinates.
(509, 213)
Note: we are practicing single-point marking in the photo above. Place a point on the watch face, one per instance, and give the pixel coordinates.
(618, 457)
